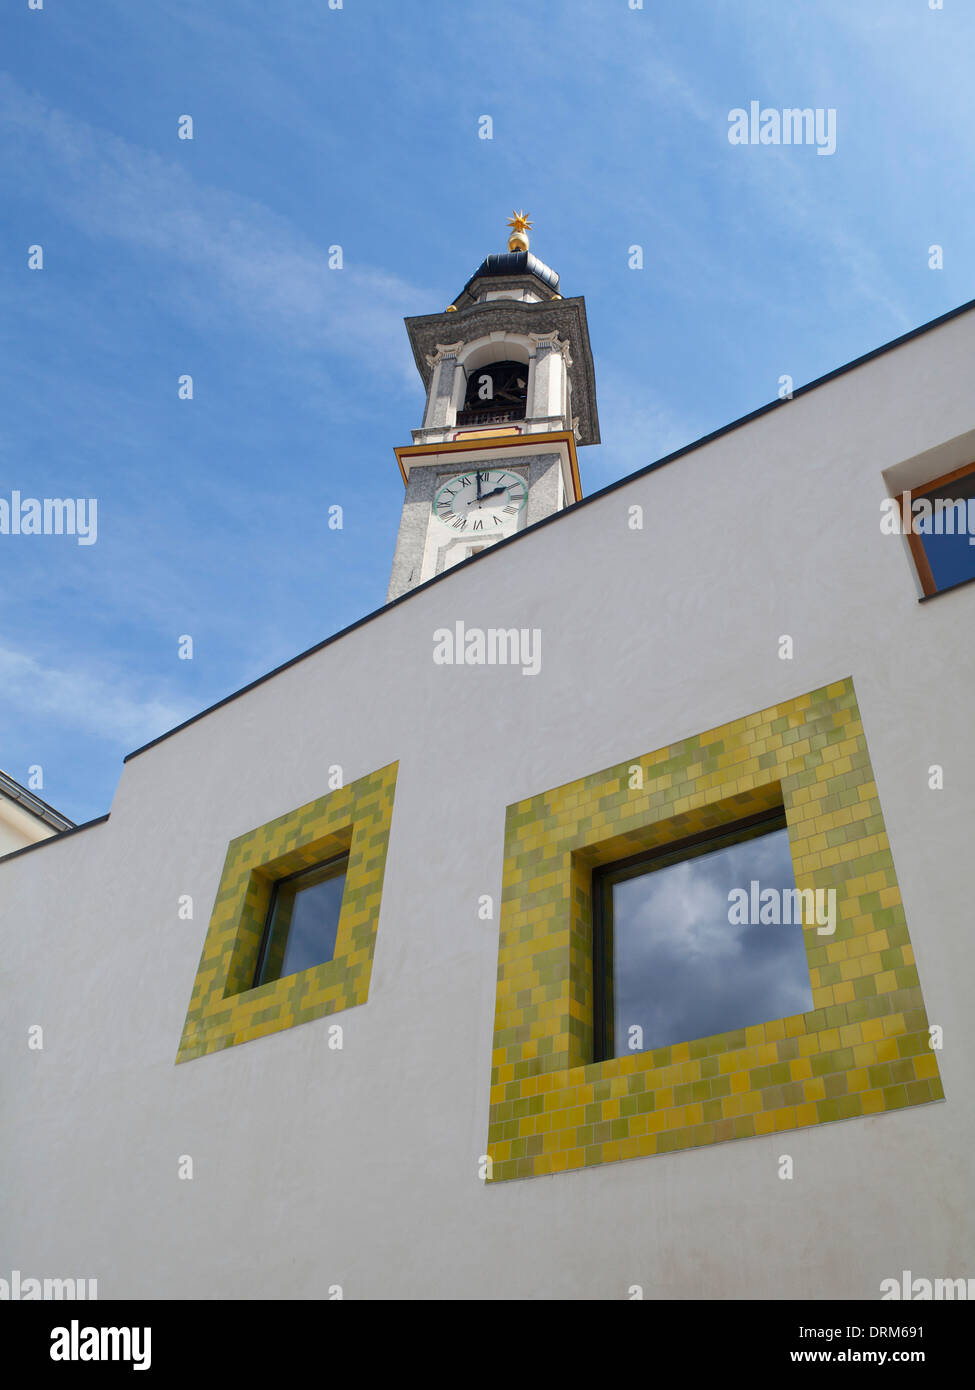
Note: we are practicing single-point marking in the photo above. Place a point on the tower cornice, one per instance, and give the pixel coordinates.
(562, 319)
(468, 449)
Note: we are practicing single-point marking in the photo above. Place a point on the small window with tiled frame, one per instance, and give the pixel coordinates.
(862, 1049)
(236, 997)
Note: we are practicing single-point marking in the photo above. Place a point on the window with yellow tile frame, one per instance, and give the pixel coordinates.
(237, 996)
(863, 1047)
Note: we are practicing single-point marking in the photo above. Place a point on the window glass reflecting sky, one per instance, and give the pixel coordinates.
(305, 923)
(682, 971)
(946, 540)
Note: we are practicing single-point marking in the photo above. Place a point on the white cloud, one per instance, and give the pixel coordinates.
(96, 703)
(208, 244)
(636, 428)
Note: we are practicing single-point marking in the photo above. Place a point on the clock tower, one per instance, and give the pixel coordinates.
(510, 395)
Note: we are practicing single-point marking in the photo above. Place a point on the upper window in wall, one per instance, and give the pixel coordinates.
(940, 525)
(702, 939)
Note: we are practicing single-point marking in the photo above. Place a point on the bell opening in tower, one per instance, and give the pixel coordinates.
(495, 394)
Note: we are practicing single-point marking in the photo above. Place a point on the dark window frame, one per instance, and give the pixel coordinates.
(662, 856)
(340, 863)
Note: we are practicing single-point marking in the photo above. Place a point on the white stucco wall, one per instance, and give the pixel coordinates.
(358, 1167)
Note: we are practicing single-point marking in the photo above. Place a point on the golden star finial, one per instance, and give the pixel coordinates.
(520, 224)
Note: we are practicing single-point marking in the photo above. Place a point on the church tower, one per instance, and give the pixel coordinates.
(511, 392)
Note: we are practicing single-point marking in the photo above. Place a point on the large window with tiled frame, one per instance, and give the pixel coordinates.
(862, 1049)
(226, 1008)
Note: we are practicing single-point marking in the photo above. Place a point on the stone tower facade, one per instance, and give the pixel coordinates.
(508, 373)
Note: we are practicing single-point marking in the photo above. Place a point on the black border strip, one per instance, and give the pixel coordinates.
(948, 589)
(556, 516)
(51, 839)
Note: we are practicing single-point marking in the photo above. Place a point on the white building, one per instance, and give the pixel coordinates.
(448, 1101)
(24, 818)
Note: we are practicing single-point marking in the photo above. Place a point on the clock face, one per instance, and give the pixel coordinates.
(481, 501)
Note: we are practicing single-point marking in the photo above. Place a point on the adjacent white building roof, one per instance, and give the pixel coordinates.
(25, 818)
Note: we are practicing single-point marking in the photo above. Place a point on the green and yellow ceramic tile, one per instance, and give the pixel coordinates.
(223, 1009)
(862, 1049)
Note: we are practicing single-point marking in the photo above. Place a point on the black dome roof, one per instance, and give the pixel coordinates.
(516, 263)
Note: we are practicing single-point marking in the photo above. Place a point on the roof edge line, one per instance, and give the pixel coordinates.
(546, 521)
(34, 805)
(52, 839)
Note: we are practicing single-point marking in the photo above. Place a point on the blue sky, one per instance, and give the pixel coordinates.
(358, 127)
